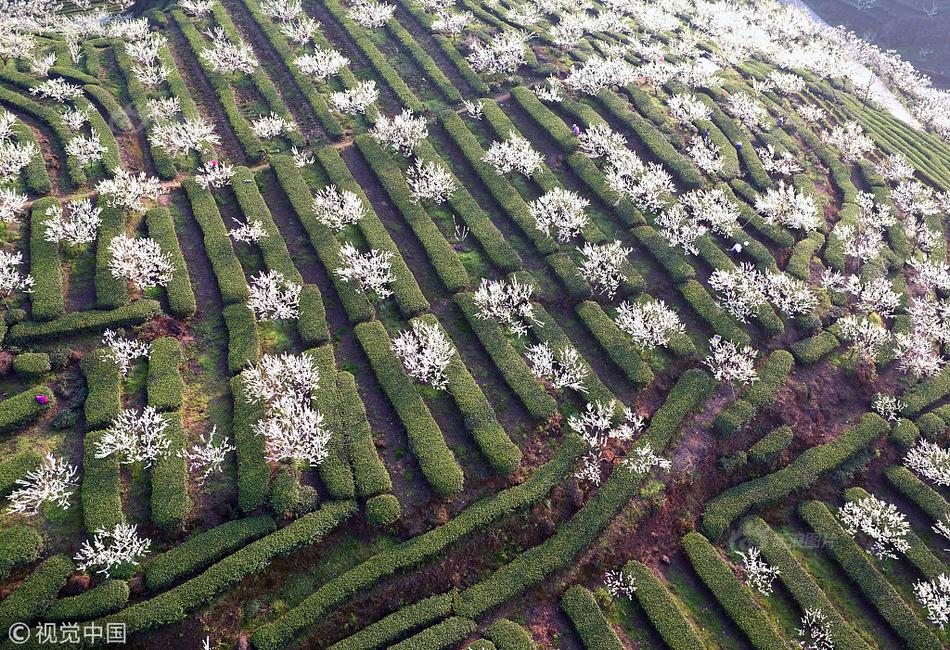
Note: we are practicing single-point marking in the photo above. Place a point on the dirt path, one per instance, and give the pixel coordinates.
(54, 157)
(203, 94)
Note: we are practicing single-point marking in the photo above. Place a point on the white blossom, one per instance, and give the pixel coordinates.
(649, 324)
(163, 108)
(758, 573)
(370, 14)
(135, 436)
(789, 207)
(600, 141)
(281, 10)
(425, 352)
(140, 261)
(356, 99)
(867, 337)
(206, 457)
(371, 271)
(705, 154)
(302, 158)
(123, 351)
(731, 363)
(214, 174)
(504, 55)
(14, 156)
(196, 8)
(597, 425)
(849, 139)
(934, 596)
(178, 138)
(11, 279)
(815, 631)
(250, 232)
(294, 430)
(12, 204)
(680, 228)
(274, 297)
(642, 459)
(884, 526)
(887, 406)
(603, 266)
(75, 118)
(564, 368)
(895, 168)
(270, 126)
(452, 23)
(112, 549)
(130, 191)
(401, 133)
(786, 83)
(507, 303)
(782, 163)
(686, 108)
(336, 209)
(513, 154)
(87, 149)
(321, 63)
(300, 30)
(41, 65)
(430, 181)
(57, 89)
(551, 92)
(649, 187)
(52, 482)
(225, 57)
(930, 461)
(560, 213)
(76, 226)
(277, 376)
(747, 110)
(619, 583)
(473, 108)
(597, 73)
(811, 113)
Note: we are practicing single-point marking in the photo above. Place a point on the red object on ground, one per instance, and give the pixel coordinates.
(42, 399)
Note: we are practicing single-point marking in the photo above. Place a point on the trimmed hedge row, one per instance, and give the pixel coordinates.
(15, 468)
(19, 544)
(672, 260)
(101, 490)
(420, 549)
(97, 125)
(691, 389)
(204, 549)
(273, 249)
(46, 300)
(812, 349)
(34, 174)
(111, 292)
(312, 318)
(110, 596)
(335, 470)
(436, 460)
(31, 599)
(164, 386)
(478, 415)
(924, 496)
(383, 632)
(445, 43)
(383, 510)
(923, 394)
(441, 636)
(244, 346)
(169, 477)
(758, 395)
(181, 296)
(509, 362)
(433, 73)
(444, 259)
(357, 306)
(771, 445)
(800, 584)
(22, 408)
(110, 105)
(31, 365)
(617, 344)
(589, 621)
(735, 598)
(801, 474)
(407, 293)
(104, 384)
(253, 473)
(81, 322)
(709, 310)
(875, 587)
(508, 635)
(735, 133)
(799, 264)
(175, 604)
(369, 471)
(227, 269)
(661, 607)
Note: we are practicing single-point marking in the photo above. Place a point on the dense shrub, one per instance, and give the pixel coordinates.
(661, 608)
(592, 626)
(812, 349)
(799, 264)
(46, 301)
(389, 628)
(672, 260)
(925, 393)
(31, 599)
(31, 365)
(924, 496)
(771, 445)
(81, 322)
(617, 344)
(15, 468)
(312, 318)
(244, 346)
(164, 386)
(706, 307)
(253, 474)
(335, 471)
(108, 597)
(181, 296)
(508, 635)
(101, 489)
(22, 408)
(111, 292)
(19, 544)
(104, 386)
(369, 471)
(170, 501)
(383, 510)
(34, 174)
(758, 395)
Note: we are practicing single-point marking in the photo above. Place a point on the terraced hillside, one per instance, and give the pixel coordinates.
(419, 324)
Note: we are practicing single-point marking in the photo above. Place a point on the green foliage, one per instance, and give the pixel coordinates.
(312, 318)
(758, 395)
(383, 510)
(81, 322)
(46, 301)
(811, 350)
(253, 473)
(369, 471)
(592, 626)
(111, 292)
(181, 296)
(924, 496)
(389, 628)
(22, 408)
(16, 467)
(108, 597)
(617, 344)
(722, 323)
(164, 386)
(34, 174)
(925, 393)
(170, 501)
(244, 346)
(662, 609)
(672, 259)
(19, 544)
(771, 445)
(31, 599)
(508, 635)
(441, 636)
(101, 490)
(104, 384)
(31, 365)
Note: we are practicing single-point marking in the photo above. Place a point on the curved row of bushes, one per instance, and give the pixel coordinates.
(82, 322)
(369, 471)
(19, 544)
(758, 395)
(109, 597)
(617, 344)
(31, 599)
(661, 607)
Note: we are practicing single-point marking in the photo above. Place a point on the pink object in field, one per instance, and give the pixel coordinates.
(42, 399)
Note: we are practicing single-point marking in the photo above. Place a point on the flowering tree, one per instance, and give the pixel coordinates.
(868, 337)
(603, 266)
(895, 168)
(279, 375)
(934, 596)
(597, 73)
(11, 279)
(52, 482)
(87, 149)
(930, 461)
(77, 227)
(57, 89)
(705, 154)
(12, 204)
(789, 207)
(225, 57)
(782, 163)
(648, 186)
(162, 108)
(14, 156)
(786, 83)
(619, 583)
(686, 108)
(747, 110)
(887, 406)
(473, 109)
(758, 573)
(370, 14)
(430, 181)
(356, 99)
(130, 191)
(123, 351)
(504, 55)
(811, 113)
(139, 261)
(196, 8)
(649, 324)
(600, 141)
(507, 303)
(371, 271)
(206, 457)
(563, 369)
(336, 209)
(135, 436)
(274, 297)
(560, 213)
(515, 153)
(178, 138)
(552, 91)
(452, 23)
(425, 352)
(728, 362)
(849, 139)
(281, 10)
(267, 127)
(881, 523)
(321, 63)
(250, 232)
(214, 175)
(112, 549)
(401, 133)
(302, 158)
(815, 631)
(597, 426)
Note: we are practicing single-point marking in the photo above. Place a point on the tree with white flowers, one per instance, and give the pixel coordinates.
(563, 368)
(207, 456)
(747, 110)
(600, 141)
(713, 208)
(267, 127)
(887, 406)
(77, 225)
(867, 337)
(87, 149)
(705, 154)
(686, 108)
(934, 596)
(139, 260)
(123, 351)
(162, 108)
(178, 138)
(57, 89)
(250, 232)
(849, 139)
(930, 461)
(370, 13)
(560, 213)
(322, 63)
(355, 99)
(425, 352)
(225, 57)
(130, 191)
(274, 297)
(370, 271)
(787, 206)
(597, 425)
(336, 208)
(281, 10)
(642, 459)
(810, 114)
(402, 133)
(649, 324)
(648, 186)
(880, 523)
(214, 174)
(112, 549)
(895, 168)
(11, 280)
(513, 154)
(12, 204)
(54, 481)
(430, 181)
(75, 118)
(196, 8)
(504, 55)
(597, 73)
(619, 583)
(680, 228)
(815, 632)
(782, 163)
(135, 436)
(758, 573)
(507, 302)
(603, 266)
(280, 375)
(452, 23)
(731, 363)
(739, 290)
(14, 156)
